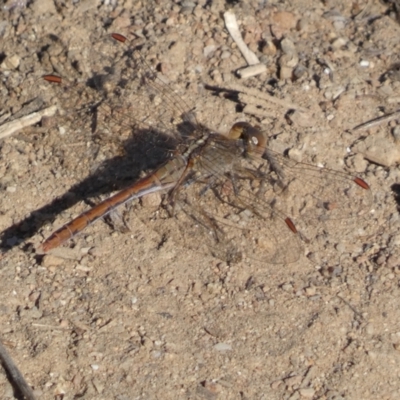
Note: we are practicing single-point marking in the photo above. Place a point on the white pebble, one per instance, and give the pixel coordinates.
(327, 71)
(223, 347)
(209, 50)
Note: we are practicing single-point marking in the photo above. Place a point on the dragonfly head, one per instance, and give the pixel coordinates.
(253, 138)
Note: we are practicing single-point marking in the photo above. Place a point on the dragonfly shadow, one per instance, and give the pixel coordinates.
(146, 150)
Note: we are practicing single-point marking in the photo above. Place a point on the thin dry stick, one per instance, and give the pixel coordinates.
(253, 70)
(377, 121)
(265, 96)
(17, 379)
(251, 100)
(11, 127)
(233, 28)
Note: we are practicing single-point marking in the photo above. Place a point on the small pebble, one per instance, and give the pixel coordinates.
(307, 393)
(223, 347)
(288, 47)
(369, 329)
(287, 287)
(303, 24)
(310, 291)
(225, 54)
(10, 63)
(187, 7)
(293, 380)
(216, 76)
(285, 20)
(156, 354)
(339, 43)
(299, 71)
(209, 50)
(302, 119)
(339, 25)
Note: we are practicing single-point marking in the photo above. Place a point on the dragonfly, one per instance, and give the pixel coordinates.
(230, 194)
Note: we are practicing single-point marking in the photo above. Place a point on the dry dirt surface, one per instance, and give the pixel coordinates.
(137, 315)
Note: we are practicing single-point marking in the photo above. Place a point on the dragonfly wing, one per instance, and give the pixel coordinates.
(234, 221)
(309, 192)
(249, 206)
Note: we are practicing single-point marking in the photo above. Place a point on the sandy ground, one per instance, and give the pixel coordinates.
(136, 315)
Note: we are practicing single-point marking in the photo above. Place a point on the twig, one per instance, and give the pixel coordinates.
(253, 70)
(10, 127)
(265, 96)
(377, 121)
(16, 377)
(233, 29)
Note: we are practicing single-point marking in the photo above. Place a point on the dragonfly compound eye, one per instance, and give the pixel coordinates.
(253, 136)
(257, 138)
